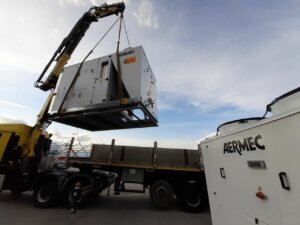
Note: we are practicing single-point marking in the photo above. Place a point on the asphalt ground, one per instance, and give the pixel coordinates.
(127, 209)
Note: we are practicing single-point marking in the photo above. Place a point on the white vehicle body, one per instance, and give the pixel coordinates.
(252, 167)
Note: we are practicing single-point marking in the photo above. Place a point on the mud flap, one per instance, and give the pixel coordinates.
(2, 178)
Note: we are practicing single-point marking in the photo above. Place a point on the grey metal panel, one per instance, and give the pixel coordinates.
(138, 154)
(101, 152)
(144, 155)
(133, 175)
(167, 157)
(117, 154)
(193, 157)
(123, 153)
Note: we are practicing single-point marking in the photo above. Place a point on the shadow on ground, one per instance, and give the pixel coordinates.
(128, 209)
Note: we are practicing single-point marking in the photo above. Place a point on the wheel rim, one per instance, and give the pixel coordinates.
(162, 192)
(70, 197)
(193, 199)
(44, 194)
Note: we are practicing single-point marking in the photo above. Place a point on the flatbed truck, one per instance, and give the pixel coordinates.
(165, 172)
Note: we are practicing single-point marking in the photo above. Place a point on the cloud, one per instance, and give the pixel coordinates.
(31, 50)
(54, 32)
(145, 15)
(178, 143)
(88, 2)
(61, 141)
(15, 104)
(73, 2)
(166, 102)
(65, 138)
(11, 120)
(217, 65)
(244, 77)
(148, 142)
(165, 106)
(211, 135)
(117, 1)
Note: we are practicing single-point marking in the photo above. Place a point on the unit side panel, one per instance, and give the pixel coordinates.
(224, 215)
(284, 141)
(148, 85)
(138, 77)
(239, 187)
(61, 87)
(130, 61)
(82, 93)
(101, 80)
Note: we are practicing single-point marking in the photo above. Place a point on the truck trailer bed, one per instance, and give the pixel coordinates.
(152, 158)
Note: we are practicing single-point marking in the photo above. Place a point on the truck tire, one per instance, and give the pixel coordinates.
(67, 196)
(45, 194)
(161, 194)
(192, 198)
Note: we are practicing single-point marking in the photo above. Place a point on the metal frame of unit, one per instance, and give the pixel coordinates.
(93, 102)
(109, 115)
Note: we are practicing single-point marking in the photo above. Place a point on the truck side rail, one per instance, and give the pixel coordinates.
(152, 158)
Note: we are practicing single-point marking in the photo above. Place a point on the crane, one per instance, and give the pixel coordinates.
(22, 146)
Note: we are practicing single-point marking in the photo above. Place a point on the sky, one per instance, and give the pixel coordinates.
(214, 61)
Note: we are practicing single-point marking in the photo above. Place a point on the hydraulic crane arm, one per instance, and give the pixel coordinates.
(61, 56)
(70, 42)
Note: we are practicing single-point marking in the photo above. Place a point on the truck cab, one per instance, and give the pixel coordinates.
(17, 166)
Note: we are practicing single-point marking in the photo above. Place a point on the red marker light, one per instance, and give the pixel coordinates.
(260, 195)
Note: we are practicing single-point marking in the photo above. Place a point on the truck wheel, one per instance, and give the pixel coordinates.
(161, 194)
(45, 194)
(191, 198)
(67, 196)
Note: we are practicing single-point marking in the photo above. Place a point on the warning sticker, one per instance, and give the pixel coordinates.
(130, 60)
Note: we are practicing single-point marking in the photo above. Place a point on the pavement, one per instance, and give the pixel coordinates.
(128, 209)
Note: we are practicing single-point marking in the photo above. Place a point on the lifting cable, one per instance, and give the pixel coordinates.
(126, 32)
(119, 18)
(80, 66)
(120, 86)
